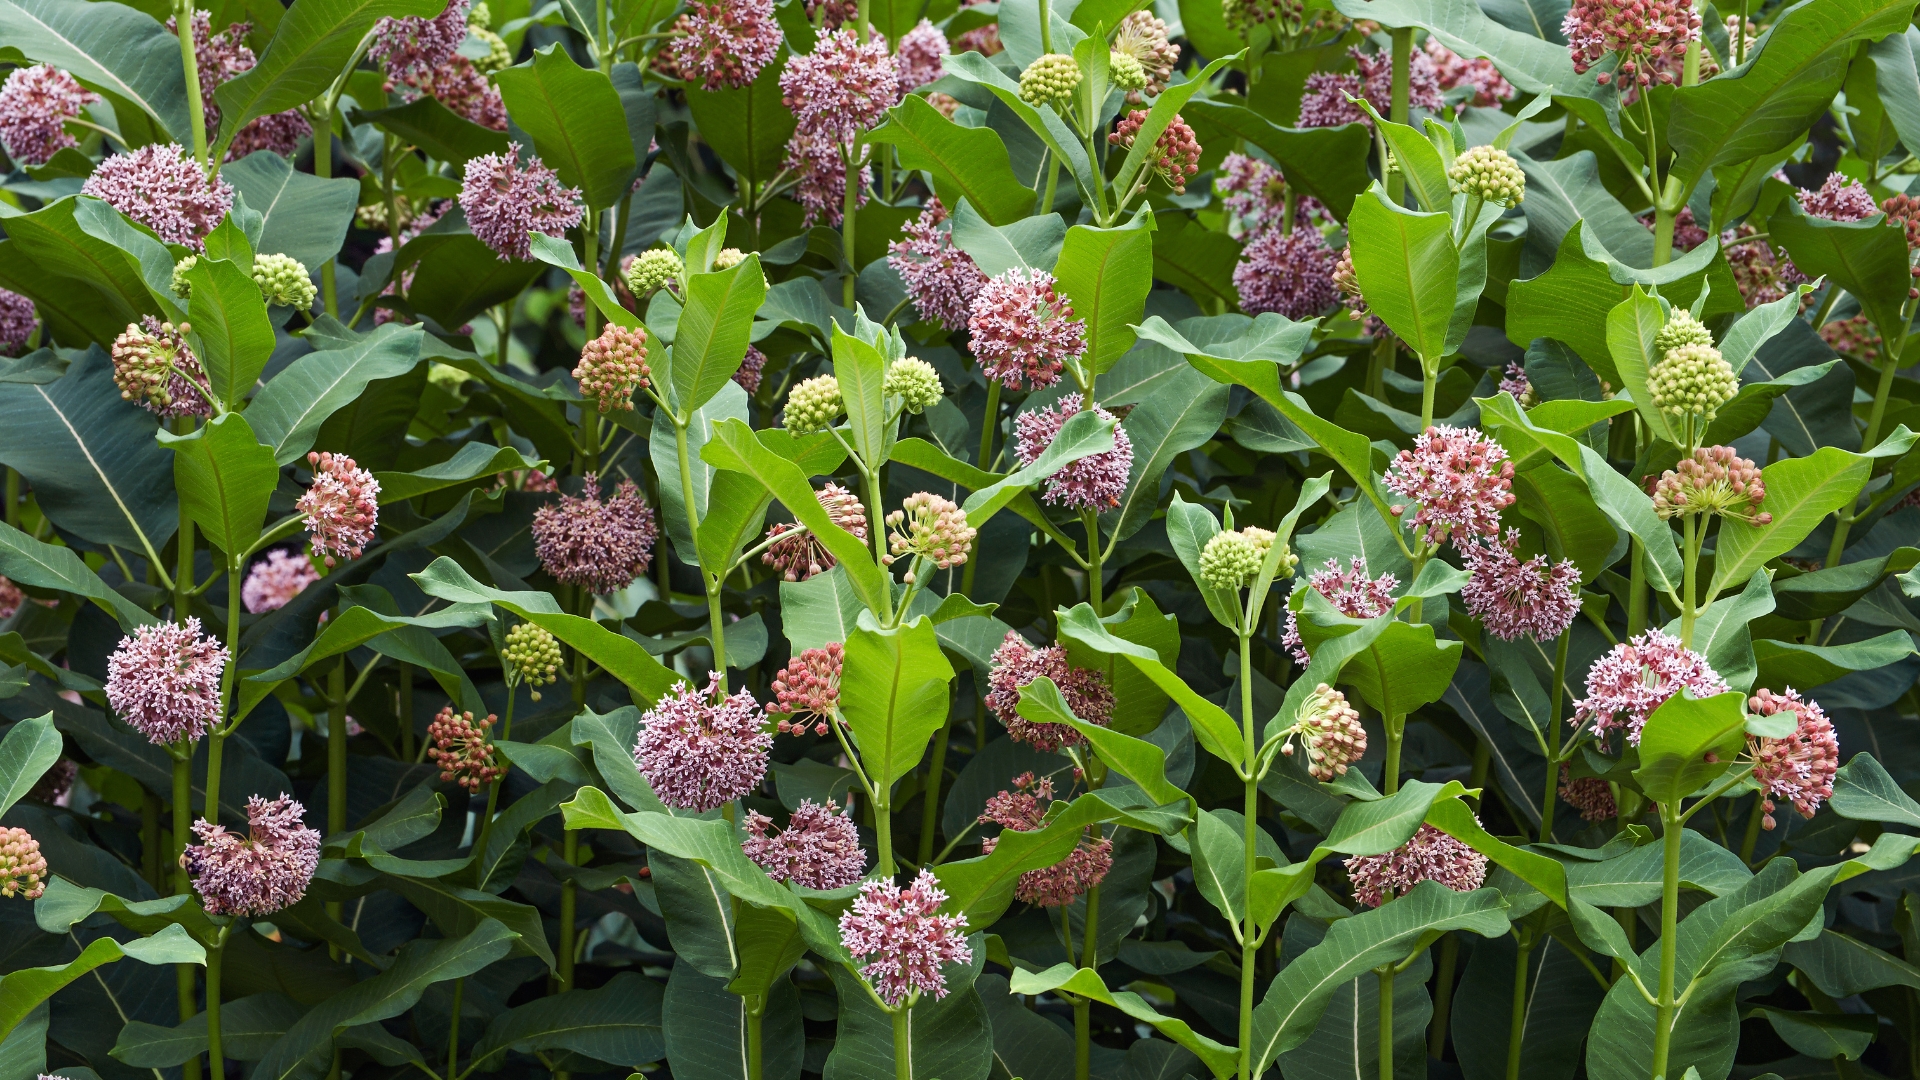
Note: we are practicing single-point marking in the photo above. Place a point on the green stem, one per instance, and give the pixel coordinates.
(715, 630)
(1552, 800)
(936, 773)
(590, 234)
(848, 287)
(1752, 838)
(336, 764)
(883, 827)
(756, 1005)
(902, 1046)
(1844, 518)
(1249, 941)
(569, 897)
(493, 790)
(1396, 735)
(1690, 534)
(1083, 1008)
(1517, 1019)
(1443, 997)
(1096, 585)
(1429, 382)
(217, 738)
(323, 168)
(216, 1060)
(190, 66)
(1669, 937)
(989, 426)
(1637, 590)
(453, 1029)
(1385, 974)
(184, 974)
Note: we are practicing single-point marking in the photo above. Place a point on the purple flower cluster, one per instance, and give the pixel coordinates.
(1287, 272)
(18, 320)
(1590, 795)
(941, 279)
(1024, 809)
(1016, 663)
(819, 848)
(276, 579)
(1800, 767)
(342, 507)
(698, 753)
(1023, 331)
(1094, 482)
(162, 187)
(724, 43)
(902, 939)
(921, 51)
(602, 546)
(837, 92)
(35, 105)
(1637, 677)
(1430, 856)
(1839, 198)
(1459, 480)
(414, 45)
(809, 686)
(164, 680)
(1535, 598)
(254, 876)
(1351, 592)
(507, 202)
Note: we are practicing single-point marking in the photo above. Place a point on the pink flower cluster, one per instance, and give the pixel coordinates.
(161, 186)
(921, 51)
(1430, 856)
(164, 680)
(507, 202)
(819, 848)
(1800, 767)
(1287, 272)
(808, 686)
(1451, 70)
(838, 91)
(1649, 36)
(724, 43)
(1637, 677)
(1325, 104)
(602, 546)
(18, 320)
(276, 579)
(941, 279)
(35, 105)
(1588, 794)
(1254, 194)
(1458, 478)
(903, 939)
(415, 45)
(254, 876)
(1351, 592)
(459, 745)
(1023, 332)
(797, 553)
(1175, 155)
(342, 507)
(1024, 809)
(1016, 663)
(1535, 598)
(224, 56)
(1839, 198)
(1331, 733)
(23, 870)
(1095, 482)
(699, 753)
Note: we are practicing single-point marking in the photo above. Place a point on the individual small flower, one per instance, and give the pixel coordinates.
(18, 320)
(1535, 598)
(56, 784)
(796, 552)
(161, 186)
(656, 268)
(921, 51)
(819, 848)
(1460, 480)
(1024, 809)
(1452, 70)
(698, 753)
(1287, 272)
(462, 750)
(1232, 557)
(507, 202)
(1637, 677)
(1839, 198)
(23, 870)
(1016, 664)
(1513, 380)
(808, 686)
(752, 366)
(342, 507)
(1330, 730)
(1050, 80)
(410, 45)
(1691, 382)
(724, 43)
(1326, 100)
(1800, 767)
(613, 366)
(1094, 482)
(164, 680)
(1590, 795)
(1176, 153)
(813, 405)
(154, 365)
(254, 876)
(1023, 332)
(284, 281)
(600, 546)
(901, 940)
(35, 105)
(1351, 592)
(930, 527)
(1649, 36)
(1142, 38)
(276, 579)
(941, 280)
(1715, 480)
(531, 655)
(843, 87)
(1488, 173)
(914, 382)
(1430, 856)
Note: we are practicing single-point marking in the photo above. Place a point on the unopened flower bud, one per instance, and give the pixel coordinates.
(532, 655)
(1126, 71)
(1692, 380)
(1489, 173)
(1050, 80)
(1231, 560)
(284, 281)
(1681, 329)
(654, 269)
(915, 382)
(813, 405)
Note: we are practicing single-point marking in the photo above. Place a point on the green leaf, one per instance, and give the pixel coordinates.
(1897, 77)
(1106, 274)
(748, 127)
(577, 123)
(664, 446)
(714, 330)
(1084, 434)
(22, 990)
(456, 277)
(313, 42)
(436, 130)
(1800, 492)
(862, 372)
(706, 1028)
(31, 562)
(1060, 140)
(947, 1038)
(1165, 108)
(1452, 817)
(224, 476)
(230, 330)
(1183, 413)
(1841, 966)
(1086, 983)
(301, 215)
(473, 461)
(1214, 729)
(1862, 791)
(1631, 327)
(1402, 669)
(1678, 737)
(29, 750)
(558, 252)
(980, 889)
(1408, 268)
(1534, 64)
(287, 413)
(1867, 258)
(1136, 759)
(968, 163)
(893, 691)
(1803, 667)
(619, 1022)
(1329, 164)
(114, 49)
(247, 1027)
(81, 282)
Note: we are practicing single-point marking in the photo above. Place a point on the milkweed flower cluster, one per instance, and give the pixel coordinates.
(809, 686)
(919, 58)
(724, 43)
(1024, 332)
(222, 57)
(930, 527)
(154, 365)
(463, 751)
(1325, 101)
(1024, 809)
(276, 579)
(263, 872)
(531, 655)
(813, 405)
(23, 870)
(507, 202)
(1839, 198)
(1290, 273)
(1458, 479)
(699, 753)
(1650, 37)
(1176, 152)
(411, 45)
(1715, 480)
(819, 848)
(18, 320)
(56, 784)
(1800, 767)
(164, 680)
(836, 92)
(1331, 733)
(902, 940)
(752, 368)
(941, 280)
(1050, 80)
(1015, 664)
(161, 186)
(1515, 598)
(1142, 38)
(797, 553)
(915, 382)
(1451, 70)
(1637, 677)
(35, 105)
(601, 546)
(1094, 482)
(1590, 795)
(1513, 380)
(341, 508)
(1430, 856)
(613, 366)
(1232, 558)
(1351, 592)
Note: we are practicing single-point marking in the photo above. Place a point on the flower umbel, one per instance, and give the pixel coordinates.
(1637, 677)
(1050, 80)
(154, 365)
(613, 366)
(1290, 273)
(602, 546)
(941, 279)
(808, 686)
(1459, 479)
(1430, 856)
(1024, 809)
(813, 405)
(1330, 730)
(462, 750)
(258, 874)
(1016, 664)
(930, 527)
(162, 187)
(1590, 795)
(341, 507)
(35, 105)
(276, 579)
(1535, 598)
(1024, 332)
(1175, 155)
(23, 870)
(819, 848)
(698, 753)
(797, 553)
(724, 43)
(1715, 480)
(1351, 592)
(18, 320)
(914, 382)
(1800, 767)
(1232, 558)
(1094, 482)
(902, 940)
(531, 655)
(164, 680)
(507, 202)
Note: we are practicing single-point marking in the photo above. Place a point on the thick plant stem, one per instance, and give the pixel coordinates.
(902, 1046)
(453, 1028)
(590, 235)
(185, 975)
(493, 791)
(1517, 1019)
(217, 738)
(1385, 974)
(569, 898)
(216, 1059)
(756, 1007)
(1249, 946)
(336, 764)
(323, 168)
(715, 631)
(1396, 735)
(1674, 828)
(1552, 800)
(189, 64)
(1637, 590)
(1690, 533)
(1096, 583)
(849, 285)
(1662, 235)
(1082, 1008)
(1429, 381)
(1443, 997)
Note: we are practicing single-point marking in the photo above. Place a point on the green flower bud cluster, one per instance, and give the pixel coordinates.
(1489, 173)
(1692, 380)
(914, 381)
(499, 57)
(728, 258)
(653, 270)
(1126, 71)
(531, 655)
(813, 405)
(1050, 80)
(179, 284)
(284, 281)
(1681, 329)
(1232, 559)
